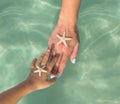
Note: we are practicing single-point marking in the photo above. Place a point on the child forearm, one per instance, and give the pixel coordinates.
(13, 95)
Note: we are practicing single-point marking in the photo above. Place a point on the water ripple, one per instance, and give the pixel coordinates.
(11, 11)
(112, 31)
(43, 4)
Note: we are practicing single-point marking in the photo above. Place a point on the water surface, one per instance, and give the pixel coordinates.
(25, 27)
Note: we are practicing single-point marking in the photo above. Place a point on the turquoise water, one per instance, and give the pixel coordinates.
(25, 27)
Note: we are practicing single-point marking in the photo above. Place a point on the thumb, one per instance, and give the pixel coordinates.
(74, 53)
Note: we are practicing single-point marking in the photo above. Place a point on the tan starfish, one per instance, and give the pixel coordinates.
(40, 70)
(63, 39)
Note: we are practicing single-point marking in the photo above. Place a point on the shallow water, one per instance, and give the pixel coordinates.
(25, 26)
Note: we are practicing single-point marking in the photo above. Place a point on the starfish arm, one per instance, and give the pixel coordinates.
(64, 34)
(59, 42)
(36, 71)
(64, 42)
(37, 67)
(68, 39)
(39, 73)
(44, 71)
(59, 36)
(43, 67)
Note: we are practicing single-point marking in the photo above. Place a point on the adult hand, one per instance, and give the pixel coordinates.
(47, 60)
(67, 25)
(65, 52)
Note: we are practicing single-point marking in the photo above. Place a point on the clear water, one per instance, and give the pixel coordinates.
(25, 27)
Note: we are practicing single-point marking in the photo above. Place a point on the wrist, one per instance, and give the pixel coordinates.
(65, 25)
(69, 11)
(29, 86)
(67, 20)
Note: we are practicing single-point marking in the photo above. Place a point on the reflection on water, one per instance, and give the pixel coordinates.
(24, 32)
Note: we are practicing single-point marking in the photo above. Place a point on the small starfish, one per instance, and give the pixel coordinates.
(63, 39)
(40, 70)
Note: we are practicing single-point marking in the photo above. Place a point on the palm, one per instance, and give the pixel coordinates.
(67, 49)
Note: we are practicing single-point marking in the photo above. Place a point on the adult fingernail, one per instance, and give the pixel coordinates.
(73, 61)
(50, 76)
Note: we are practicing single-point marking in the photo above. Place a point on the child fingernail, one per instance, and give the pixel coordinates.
(52, 76)
(58, 75)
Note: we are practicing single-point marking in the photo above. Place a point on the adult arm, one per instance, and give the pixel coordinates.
(69, 13)
(67, 23)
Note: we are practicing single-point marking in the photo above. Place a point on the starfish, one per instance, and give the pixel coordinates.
(40, 70)
(63, 39)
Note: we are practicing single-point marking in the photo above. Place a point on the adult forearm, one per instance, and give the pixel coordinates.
(13, 95)
(69, 11)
